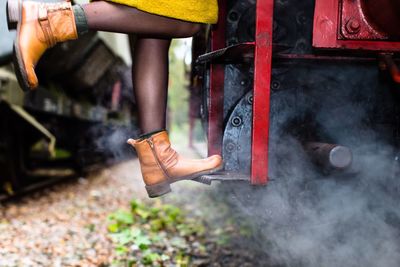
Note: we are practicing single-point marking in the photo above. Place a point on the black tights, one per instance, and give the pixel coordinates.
(150, 53)
(150, 81)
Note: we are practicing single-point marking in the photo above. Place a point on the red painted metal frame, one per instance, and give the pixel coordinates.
(327, 29)
(261, 91)
(217, 75)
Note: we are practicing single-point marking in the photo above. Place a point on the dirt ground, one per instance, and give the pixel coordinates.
(66, 225)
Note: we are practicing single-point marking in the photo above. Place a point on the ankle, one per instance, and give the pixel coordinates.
(148, 134)
(82, 26)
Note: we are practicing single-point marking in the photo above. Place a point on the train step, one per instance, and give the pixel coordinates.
(243, 52)
(226, 176)
(238, 53)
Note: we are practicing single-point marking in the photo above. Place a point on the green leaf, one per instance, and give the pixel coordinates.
(135, 205)
(132, 263)
(144, 214)
(113, 228)
(123, 217)
(142, 242)
(165, 257)
(121, 250)
(182, 260)
(143, 247)
(123, 237)
(135, 232)
(150, 258)
(179, 242)
(154, 211)
(172, 212)
(156, 225)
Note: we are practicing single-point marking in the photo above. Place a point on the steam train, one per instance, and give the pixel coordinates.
(272, 81)
(313, 79)
(303, 97)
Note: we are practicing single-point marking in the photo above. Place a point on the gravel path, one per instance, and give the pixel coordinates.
(66, 225)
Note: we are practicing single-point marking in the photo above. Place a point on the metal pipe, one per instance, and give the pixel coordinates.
(387, 63)
(329, 155)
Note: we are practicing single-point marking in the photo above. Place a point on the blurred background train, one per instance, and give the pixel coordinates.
(79, 117)
(272, 82)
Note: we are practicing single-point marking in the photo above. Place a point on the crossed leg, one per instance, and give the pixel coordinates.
(150, 81)
(149, 53)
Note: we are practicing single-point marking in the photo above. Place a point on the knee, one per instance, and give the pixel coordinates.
(190, 29)
(195, 28)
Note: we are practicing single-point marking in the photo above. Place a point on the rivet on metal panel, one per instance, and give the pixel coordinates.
(230, 147)
(353, 26)
(237, 121)
(250, 99)
(275, 85)
(233, 16)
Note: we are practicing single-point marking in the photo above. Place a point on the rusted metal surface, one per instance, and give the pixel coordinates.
(347, 26)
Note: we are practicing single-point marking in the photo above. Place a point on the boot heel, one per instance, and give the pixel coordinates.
(13, 13)
(158, 189)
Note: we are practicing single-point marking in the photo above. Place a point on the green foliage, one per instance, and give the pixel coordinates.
(119, 220)
(182, 260)
(152, 234)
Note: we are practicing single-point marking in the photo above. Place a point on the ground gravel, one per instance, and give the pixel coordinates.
(66, 225)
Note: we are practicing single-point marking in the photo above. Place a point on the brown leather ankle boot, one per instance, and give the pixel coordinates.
(161, 165)
(40, 26)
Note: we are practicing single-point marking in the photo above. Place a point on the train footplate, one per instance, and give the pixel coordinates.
(225, 176)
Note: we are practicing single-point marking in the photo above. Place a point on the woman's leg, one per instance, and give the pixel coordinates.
(106, 16)
(60, 22)
(150, 81)
(150, 54)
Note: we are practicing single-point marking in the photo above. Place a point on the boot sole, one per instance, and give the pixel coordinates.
(13, 12)
(163, 188)
(13, 17)
(19, 68)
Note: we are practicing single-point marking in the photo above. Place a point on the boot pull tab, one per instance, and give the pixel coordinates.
(131, 142)
(150, 142)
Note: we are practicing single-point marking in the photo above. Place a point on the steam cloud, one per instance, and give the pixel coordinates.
(306, 218)
(107, 144)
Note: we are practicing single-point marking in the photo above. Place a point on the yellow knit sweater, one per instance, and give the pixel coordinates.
(201, 11)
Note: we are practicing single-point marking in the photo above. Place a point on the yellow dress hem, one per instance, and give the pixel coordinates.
(199, 11)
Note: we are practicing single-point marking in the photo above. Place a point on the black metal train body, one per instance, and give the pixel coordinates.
(327, 104)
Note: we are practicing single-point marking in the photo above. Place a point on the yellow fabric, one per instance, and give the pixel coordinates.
(201, 11)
